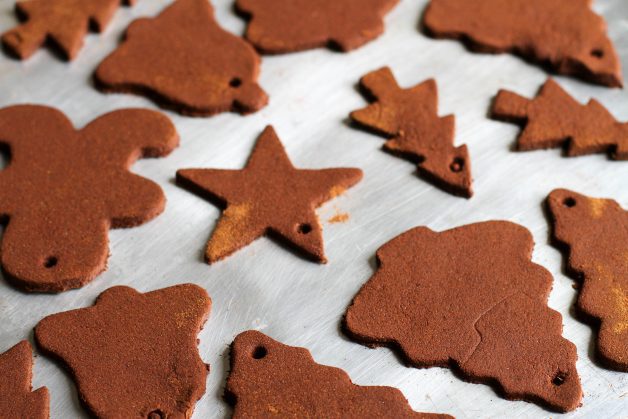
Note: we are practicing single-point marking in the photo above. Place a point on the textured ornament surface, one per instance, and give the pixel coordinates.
(470, 298)
(594, 234)
(268, 378)
(17, 400)
(186, 62)
(280, 26)
(565, 35)
(553, 118)
(133, 355)
(268, 197)
(64, 22)
(410, 118)
(65, 188)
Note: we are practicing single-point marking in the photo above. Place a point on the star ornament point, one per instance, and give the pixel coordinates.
(268, 197)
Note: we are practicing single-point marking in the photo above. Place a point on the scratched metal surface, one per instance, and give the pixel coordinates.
(295, 301)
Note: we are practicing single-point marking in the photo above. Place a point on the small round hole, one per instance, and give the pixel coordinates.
(5, 157)
(259, 352)
(156, 414)
(457, 165)
(235, 82)
(569, 202)
(559, 379)
(597, 53)
(304, 228)
(50, 262)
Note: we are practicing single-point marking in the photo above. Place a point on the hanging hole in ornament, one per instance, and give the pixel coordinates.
(235, 82)
(50, 262)
(597, 53)
(559, 379)
(569, 202)
(259, 352)
(304, 228)
(457, 165)
(5, 156)
(156, 414)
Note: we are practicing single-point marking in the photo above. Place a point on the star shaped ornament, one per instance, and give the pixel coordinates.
(268, 197)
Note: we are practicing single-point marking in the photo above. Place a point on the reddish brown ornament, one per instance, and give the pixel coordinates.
(594, 235)
(268, 197)
(410, 118)
(565, 35)
(554, 118)
(17, 400)
(63, 22)
(470, 298)
(133, 355)
(268, 378)
(65, 188)
(185, 61)
(280, 26)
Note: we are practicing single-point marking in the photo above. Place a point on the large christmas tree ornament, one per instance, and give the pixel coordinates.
(471, 299)
(593, 233)
(270, 379)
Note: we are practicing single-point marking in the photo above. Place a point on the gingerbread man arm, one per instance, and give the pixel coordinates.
(119, 139)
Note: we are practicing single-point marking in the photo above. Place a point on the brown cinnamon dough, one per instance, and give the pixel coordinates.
(269, 379)
(470, 298)
(594, 235)
(565, 35)
(268, 197)
(410, 118)
(64, 189)
(133, 355)
(64, 22)
(185, 61)
(17, 400)
(280, 26)
(554, 118)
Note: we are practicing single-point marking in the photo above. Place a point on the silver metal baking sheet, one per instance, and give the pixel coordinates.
(295, 301)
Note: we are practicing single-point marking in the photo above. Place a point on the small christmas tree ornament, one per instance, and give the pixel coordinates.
(409, 117)
(63, 22)
(554, 118)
